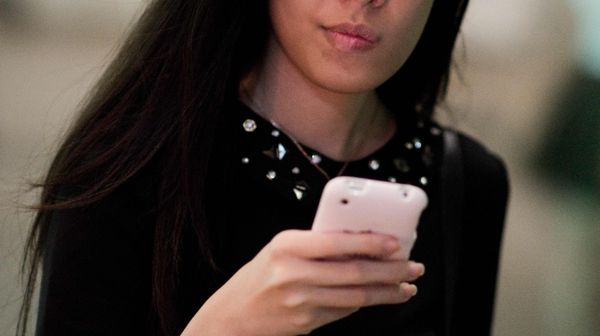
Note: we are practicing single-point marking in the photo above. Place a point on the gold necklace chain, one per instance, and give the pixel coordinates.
(316, 165)
(310, 159)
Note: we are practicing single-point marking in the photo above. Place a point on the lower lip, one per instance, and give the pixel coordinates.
(348, 43)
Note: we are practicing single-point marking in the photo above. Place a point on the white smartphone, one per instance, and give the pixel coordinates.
(352, 204)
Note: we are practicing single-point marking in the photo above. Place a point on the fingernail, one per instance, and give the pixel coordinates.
(413, 289)
(416, 269)
(409, 289)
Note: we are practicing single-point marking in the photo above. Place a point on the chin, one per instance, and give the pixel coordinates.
(344, 83)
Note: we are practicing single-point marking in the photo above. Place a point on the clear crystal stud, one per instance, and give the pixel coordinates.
(280, 151)
(435, 131)
(417, 143)
(374, 164)
(275, 133)
(295, 170)
(409, 145)
(271, 175)
(316, 159)
(249, 125)
(245, 160)
(392, 179)
(424, 181)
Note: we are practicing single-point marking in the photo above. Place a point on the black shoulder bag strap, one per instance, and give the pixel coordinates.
(452, 207)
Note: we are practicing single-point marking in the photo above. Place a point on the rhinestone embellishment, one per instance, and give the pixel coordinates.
(280, 151)
(299, 194)
(249, 125)
(416, 147)
(300, 190)
(374, 164)
(417, 143)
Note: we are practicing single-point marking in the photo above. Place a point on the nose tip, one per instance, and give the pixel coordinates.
(365, 3)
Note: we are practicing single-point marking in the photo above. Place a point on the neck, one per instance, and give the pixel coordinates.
(342, 126)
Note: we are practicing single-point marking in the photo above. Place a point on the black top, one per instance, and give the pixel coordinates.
(97, 273)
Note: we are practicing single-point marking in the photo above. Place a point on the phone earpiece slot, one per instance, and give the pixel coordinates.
(356, 185)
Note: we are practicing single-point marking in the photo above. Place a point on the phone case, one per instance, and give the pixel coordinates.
(352, 204)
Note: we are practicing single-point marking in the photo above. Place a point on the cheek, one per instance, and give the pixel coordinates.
(410, 19)
(291, 22)
(297, 30)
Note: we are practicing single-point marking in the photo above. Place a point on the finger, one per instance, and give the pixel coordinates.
(362, 296)
(415, 271)
(357, 272)
(332, 245)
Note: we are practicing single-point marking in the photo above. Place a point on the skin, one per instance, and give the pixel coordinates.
(325, 98)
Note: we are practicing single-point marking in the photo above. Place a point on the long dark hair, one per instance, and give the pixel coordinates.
(159, 101)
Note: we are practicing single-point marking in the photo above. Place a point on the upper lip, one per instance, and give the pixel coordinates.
(361, 31)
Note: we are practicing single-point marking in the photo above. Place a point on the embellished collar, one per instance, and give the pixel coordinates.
(273, 157)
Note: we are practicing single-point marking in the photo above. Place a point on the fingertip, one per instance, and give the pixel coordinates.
(416, 269)
(409, 290)
(413, 290)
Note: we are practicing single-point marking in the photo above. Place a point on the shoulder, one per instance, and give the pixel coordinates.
(483, 168)
(485, 186)
(483, 190)
(475, 174)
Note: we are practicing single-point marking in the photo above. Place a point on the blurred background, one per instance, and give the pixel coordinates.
(526, 83)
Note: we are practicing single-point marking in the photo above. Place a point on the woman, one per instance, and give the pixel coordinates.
(182, 200)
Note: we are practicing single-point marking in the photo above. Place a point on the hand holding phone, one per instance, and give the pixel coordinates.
(359, 205)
